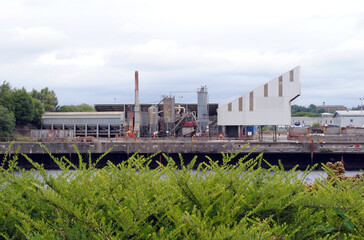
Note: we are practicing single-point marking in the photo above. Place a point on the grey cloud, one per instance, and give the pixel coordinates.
(94, 47)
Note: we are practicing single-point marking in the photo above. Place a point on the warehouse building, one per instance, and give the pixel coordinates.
(326, 119)
(349, 118)
(86, 124)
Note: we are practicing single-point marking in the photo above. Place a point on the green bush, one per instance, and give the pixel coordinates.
(213, 200)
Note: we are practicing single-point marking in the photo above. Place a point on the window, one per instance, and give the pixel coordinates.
(280, 86)
(230, 107)
(240, 104)
(266, 90)
(351, 120)
(251, 101)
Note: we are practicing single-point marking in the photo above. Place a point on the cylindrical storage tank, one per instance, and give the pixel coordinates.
(153, 119)
(168, 114)
(168, 110)
(153, 115)
(202, 108)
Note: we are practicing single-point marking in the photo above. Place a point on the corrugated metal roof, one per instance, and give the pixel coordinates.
(349, 114)
(82, 114)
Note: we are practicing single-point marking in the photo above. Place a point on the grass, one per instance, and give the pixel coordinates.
(175, 201)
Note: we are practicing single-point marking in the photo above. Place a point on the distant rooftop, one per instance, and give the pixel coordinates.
(349, 113)
(331, 107)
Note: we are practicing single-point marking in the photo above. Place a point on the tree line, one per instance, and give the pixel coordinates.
(301, 111)
(21, 108)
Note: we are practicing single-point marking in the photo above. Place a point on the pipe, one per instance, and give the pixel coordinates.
(179, 107)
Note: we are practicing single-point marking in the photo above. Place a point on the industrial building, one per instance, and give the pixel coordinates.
(326, 119)
(86, 124)
(269, 104)
(153, 117)
(331, 108)
(349, 119)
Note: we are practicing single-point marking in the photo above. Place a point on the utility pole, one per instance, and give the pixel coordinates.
(361, 111)
(137, 107)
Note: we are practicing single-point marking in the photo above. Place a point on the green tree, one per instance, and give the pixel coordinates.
(6, 96)
(295, 109)
(305, 114)
(48, 98)
(23, 107)
(76, 108)
(7, 122)
(312, 108)
(38, 112)
(316, 124)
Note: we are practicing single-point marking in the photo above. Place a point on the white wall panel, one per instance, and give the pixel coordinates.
(270, 110)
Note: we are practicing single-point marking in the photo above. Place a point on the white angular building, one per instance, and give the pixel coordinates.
(269, 104)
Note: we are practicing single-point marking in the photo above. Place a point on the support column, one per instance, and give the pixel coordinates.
(261, 133)
(63, 126)
(97, 130)
(108, 130)
(86, 130)
(74, 130)
(51, 126)
(275, 133)
(239, 131)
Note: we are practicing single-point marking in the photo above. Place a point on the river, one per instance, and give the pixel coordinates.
(310, 178)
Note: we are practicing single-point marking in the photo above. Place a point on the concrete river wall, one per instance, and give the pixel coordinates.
(290, 152)
(208, 146)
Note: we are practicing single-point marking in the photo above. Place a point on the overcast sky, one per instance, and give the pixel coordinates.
(87, 50)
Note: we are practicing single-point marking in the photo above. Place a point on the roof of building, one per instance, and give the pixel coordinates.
(349, 114)
(81, 114)
(330, 106)
(327, 115)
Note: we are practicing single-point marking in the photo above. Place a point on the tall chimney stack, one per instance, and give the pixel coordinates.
(137, 106)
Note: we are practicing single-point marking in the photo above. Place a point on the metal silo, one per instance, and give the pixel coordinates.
(168, 114)
(153, 119)
(202, 108)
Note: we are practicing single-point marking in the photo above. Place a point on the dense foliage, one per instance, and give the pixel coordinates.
(47, 97)
(25, 108)
(306, 114)
(6, 99)
(301, 111)
(7, 122)
(216, 201)
(77, 108)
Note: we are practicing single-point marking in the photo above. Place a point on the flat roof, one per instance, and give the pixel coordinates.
(81, 114)
(349, 113)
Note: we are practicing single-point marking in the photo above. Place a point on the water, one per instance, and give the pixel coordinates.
(322, 175)
(310, 178)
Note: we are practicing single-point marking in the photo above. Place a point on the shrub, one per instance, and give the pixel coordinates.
(213, 200)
